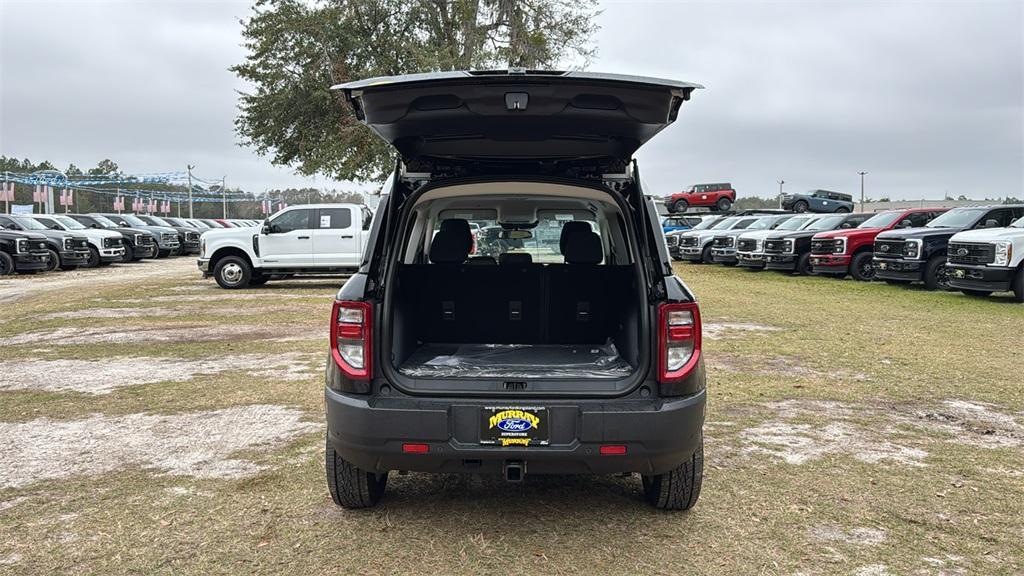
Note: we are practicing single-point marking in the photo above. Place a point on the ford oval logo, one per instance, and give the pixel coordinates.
(885, 248)
(961, 252)
(515, 425)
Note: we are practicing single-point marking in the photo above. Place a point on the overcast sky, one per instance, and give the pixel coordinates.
(926, 97)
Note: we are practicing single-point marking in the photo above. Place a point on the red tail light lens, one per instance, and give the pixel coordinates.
(351, 330)
(679, 332)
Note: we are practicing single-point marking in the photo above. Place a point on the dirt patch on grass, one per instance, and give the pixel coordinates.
(104, 376)
(15, 288)
(159, 334)
(974, 423)
(723, 330)
(141, 312)
(196, 444)
(214, 296)
(854, 536)
(800, 443)
(777, 366)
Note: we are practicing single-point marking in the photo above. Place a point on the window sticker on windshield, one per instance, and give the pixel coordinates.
(564, 217)
(325, 220)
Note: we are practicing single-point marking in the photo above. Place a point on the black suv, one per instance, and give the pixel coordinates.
(919, 254)
(188, 236)
(22, 252)
(790, 248)
(577, 356)
(67, 250)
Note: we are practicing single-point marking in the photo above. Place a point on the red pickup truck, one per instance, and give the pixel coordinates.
(718, 197)
(850, 251)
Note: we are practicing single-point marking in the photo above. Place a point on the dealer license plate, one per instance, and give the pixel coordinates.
(514, 426)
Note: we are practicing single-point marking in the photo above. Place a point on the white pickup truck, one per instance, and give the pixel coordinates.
(982, 261)
(302, 239)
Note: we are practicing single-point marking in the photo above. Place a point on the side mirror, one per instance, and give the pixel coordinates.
(991, 223)
(123, 224)
(267, 229)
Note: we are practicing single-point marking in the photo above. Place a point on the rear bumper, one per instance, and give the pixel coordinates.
(30, 262)
(887, 269)
(984, 278)
(780, 262)
(659, 434)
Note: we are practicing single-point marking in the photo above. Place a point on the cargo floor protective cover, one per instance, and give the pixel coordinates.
(516, 361)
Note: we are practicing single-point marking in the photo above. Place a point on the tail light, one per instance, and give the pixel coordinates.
(351, 325)
(679, 331)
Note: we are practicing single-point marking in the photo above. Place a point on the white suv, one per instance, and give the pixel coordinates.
(301, 239)
(982, 261)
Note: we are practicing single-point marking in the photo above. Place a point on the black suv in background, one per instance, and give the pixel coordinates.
(919, 254)
(67, 250)
(188, 236)
(600, 366)
(791, 249)
(138, 243)
(22, 252)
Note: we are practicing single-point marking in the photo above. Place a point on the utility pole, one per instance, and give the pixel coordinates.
(862, 173)
(190, 167)
(224, 195)
(781, 182)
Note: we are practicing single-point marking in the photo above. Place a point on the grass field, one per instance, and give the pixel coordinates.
(152, 423)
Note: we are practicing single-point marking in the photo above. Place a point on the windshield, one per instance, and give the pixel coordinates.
(764, 223)
(133, 220)
(707, 223)
(104, 221)
(795, 223)
(827, 223)
(725, 224)
(1019, 223)
(158, 221)
(29, 224)
(199, 224)
(958, 218)
(743, 224)
(69, 223)
(880, 220)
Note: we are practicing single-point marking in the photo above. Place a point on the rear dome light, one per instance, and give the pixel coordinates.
(351, 324)
(679, 340)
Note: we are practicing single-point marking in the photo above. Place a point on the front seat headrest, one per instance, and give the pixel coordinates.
(452, 243)
(581, 245)
(570, 228)
(515, 258)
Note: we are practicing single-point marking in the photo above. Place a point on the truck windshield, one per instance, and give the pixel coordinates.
(1019, 223)
(706, 223)
(724, 224)
(69, 223)
(958, 218)
(796, 223)
(133, 220)
(827, 223)
(29, 224)
(104, 221)
(764, 223)
(880, 220)
(158, 221)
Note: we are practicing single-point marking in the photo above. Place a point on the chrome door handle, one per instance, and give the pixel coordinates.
(303, 237)
(344, 236)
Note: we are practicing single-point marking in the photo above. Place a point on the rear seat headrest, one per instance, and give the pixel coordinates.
(580, 244)
(452, 243)
(482, 261)
(515, 258)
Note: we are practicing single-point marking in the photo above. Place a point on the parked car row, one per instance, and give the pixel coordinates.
(45, 242)
(977, 250)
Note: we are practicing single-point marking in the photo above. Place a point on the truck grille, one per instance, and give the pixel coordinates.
(111, 242)
(889, 248)
(774, 246)
(146, 240)
(81, 243)
(168, 237)
(688, 241)
(964, 253)
(746, 245)
(191, 236)
(723, 241)
(824, 246)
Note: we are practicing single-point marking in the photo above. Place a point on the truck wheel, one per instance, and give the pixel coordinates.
(803, 265)
(6, 264)
(679, 488)
(977, 293)
(800, 206)
(842, 211)
(1018, 285)
(129, 254)
(54, 262)
(94, 258)
(679, 206)
(232, 272)
(935, 276)
(724, 204)
(705, 255)
(352, 487)
(861, 268)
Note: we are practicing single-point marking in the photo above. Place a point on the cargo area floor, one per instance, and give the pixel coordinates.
(516, 361)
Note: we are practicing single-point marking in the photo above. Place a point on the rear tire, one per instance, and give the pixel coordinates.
(54, 262)
(232, 273)
(6, 264)
(352, 487)
(723, 204)
(679, 488)
(803, 265)
(679, 206)
(843, 211)
(800, 206)
(935, 274)
(861, 267)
